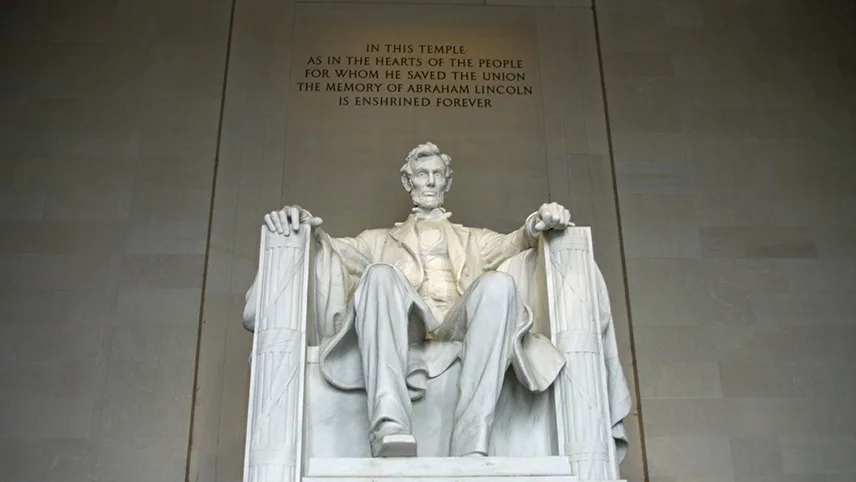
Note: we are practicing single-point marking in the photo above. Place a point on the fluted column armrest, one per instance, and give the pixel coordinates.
(275, 413)
(582, 408)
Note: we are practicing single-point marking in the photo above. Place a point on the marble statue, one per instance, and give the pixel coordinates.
(398, 307)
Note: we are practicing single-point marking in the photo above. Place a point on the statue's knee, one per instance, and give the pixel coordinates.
(378, 276)
(497, 283)
(380, 272)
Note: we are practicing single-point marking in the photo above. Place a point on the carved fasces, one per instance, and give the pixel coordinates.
(582, 410)
(275, 415)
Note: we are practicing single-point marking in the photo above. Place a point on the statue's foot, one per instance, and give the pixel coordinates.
(397, 445)
(475, 454)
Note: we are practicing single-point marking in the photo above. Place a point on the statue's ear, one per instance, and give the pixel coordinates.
(405, 181)
(448, 184)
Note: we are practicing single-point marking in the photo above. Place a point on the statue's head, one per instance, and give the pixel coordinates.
(427, 175)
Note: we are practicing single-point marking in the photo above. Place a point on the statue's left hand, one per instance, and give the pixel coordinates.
(552, 216)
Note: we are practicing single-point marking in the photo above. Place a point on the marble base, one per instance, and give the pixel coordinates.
(442, 467)
(521, 478)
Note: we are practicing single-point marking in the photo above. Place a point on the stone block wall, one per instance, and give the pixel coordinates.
(732, 128)
(109, 116)
(714, 155)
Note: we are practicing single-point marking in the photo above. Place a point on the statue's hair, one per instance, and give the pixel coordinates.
(425, 150)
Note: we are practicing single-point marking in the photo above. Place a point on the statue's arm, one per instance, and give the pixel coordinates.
(496, 247)
(354, 253)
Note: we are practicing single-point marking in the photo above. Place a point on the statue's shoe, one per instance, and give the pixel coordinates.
(396, 445)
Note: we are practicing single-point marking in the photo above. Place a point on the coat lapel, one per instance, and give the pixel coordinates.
(405, 235)
(457, 237)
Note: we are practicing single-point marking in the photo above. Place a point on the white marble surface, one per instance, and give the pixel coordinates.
(337, 420)
(515, 478)
(278, 316)
(439, 467)
(579, 318)
(421, 325)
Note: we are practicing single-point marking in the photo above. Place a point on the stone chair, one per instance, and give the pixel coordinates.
(301, 428)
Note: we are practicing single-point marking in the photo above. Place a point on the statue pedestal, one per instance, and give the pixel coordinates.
(440, 468)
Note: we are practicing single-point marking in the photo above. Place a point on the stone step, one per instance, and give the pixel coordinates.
(440, 468)
(485, 478)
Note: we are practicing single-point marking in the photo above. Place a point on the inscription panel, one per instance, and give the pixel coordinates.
(370, 82)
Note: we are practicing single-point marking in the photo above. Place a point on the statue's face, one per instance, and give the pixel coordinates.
(428, 182)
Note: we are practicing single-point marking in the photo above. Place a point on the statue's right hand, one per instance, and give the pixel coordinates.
(288, 220)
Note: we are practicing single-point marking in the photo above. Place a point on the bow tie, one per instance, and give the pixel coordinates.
(433, 215)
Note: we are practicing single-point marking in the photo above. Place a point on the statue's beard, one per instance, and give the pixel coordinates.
(427, 202)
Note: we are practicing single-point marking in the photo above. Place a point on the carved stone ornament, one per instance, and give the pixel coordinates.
(430, 350)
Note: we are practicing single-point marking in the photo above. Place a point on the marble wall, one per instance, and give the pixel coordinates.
(732, 128)
(728, 124)
(508, 159)
(108, 136)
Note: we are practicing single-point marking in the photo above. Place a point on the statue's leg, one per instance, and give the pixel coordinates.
(382, 302)
(492, 308)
